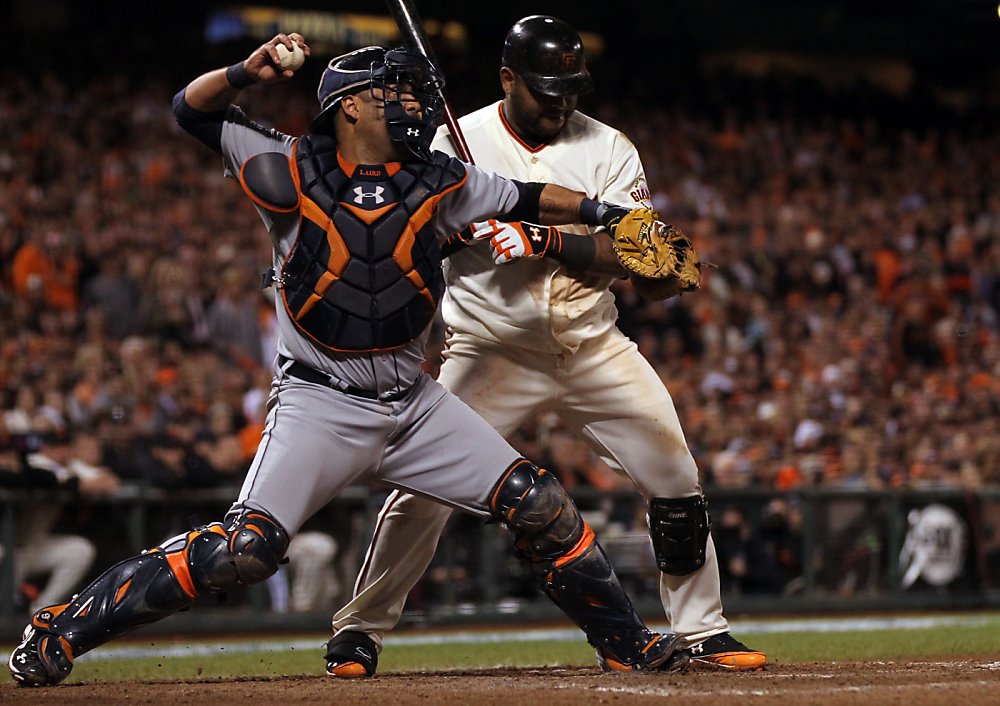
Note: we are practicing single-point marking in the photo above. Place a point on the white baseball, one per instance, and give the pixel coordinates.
(290, 59)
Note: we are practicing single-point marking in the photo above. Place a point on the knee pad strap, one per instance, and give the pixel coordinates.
(679, 529)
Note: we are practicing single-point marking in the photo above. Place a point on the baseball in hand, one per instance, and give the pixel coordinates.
(290, 59)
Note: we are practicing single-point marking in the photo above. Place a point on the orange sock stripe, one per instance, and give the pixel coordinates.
(585, 541)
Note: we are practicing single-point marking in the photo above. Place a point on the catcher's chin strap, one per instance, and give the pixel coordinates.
(574, 569)
(163, 580)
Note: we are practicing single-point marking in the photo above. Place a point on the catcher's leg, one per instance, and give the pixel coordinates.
(575, 571)
(146, 588)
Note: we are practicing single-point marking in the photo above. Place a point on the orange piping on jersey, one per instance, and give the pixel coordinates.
(179, 566)
(510, 131)
(585, 541)
(122, 590)
(368, 217)
(402, 255)
(260, 202)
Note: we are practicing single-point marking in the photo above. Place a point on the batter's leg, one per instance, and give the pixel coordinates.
(409, 527)
(620, 405)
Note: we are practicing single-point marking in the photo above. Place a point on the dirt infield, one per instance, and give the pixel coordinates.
(968, 682)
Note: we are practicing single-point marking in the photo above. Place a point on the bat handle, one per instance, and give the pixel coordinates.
(457, 138)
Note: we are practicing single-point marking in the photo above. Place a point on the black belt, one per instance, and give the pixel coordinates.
(304, 372)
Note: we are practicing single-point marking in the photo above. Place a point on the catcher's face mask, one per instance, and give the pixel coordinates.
(397, 79)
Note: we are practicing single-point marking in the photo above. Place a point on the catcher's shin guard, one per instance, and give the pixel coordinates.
(161, 581)
(575, 571)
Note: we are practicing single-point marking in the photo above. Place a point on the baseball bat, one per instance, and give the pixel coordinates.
(414, 37)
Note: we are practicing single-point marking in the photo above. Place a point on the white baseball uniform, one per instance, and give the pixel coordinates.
(528, 337)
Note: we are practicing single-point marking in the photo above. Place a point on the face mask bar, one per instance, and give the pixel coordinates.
(406, 78)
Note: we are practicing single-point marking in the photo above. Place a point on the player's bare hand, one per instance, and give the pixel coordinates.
(265, 64)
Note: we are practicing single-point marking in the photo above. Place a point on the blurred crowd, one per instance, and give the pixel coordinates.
(847, 334)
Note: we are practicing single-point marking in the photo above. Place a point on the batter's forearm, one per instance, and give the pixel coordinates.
(558, 205)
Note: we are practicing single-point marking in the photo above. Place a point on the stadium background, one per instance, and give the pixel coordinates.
(837, 377)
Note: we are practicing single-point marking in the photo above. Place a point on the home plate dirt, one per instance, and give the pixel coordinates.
(966, 682)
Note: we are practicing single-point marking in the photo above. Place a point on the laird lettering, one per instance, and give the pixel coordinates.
(370, 172)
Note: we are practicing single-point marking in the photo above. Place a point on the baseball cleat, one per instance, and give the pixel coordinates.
(662, 654)
(351, 655)
(723, 651)
(43, 658)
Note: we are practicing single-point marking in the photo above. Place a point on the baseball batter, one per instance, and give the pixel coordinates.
(534, 335)
(356, 211)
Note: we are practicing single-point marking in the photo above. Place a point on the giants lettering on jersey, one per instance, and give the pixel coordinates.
(640, 193)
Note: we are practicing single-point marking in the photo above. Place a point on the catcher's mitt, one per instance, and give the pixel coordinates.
(653, 250)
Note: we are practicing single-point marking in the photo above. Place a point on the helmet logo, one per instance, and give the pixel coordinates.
(568, 58)
(360, 195)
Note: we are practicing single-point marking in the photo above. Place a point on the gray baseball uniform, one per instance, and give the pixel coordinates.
(318, 440)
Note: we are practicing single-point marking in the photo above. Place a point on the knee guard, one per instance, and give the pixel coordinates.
(679, 529)
(575, 571)
(257, 544)
(161, 581)
(535, 507)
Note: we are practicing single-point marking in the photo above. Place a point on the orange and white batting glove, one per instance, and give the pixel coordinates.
(511, 241)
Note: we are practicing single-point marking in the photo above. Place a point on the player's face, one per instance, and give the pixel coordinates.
(371, 107)
(534, 115)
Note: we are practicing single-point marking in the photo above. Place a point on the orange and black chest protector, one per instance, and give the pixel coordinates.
(364, 273)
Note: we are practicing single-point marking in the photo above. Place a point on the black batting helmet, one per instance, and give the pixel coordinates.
(548, 54)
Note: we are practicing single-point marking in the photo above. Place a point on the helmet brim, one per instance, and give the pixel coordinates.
(559, 86)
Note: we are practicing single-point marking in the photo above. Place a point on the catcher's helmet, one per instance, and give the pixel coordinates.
(378, 67)
(548, 54)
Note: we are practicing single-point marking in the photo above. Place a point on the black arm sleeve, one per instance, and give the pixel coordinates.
(206, 127)
(526, 208)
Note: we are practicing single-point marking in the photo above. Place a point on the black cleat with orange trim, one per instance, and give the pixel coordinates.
(661, 654)
(351, 655)
(723, 651)
(42, 658)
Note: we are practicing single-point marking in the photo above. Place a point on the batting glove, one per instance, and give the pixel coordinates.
(511, 241)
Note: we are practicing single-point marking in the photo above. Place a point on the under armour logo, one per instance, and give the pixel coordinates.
(697, 649)
(536, 233)
(413, 132)
(360, 194)
(22, 658)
